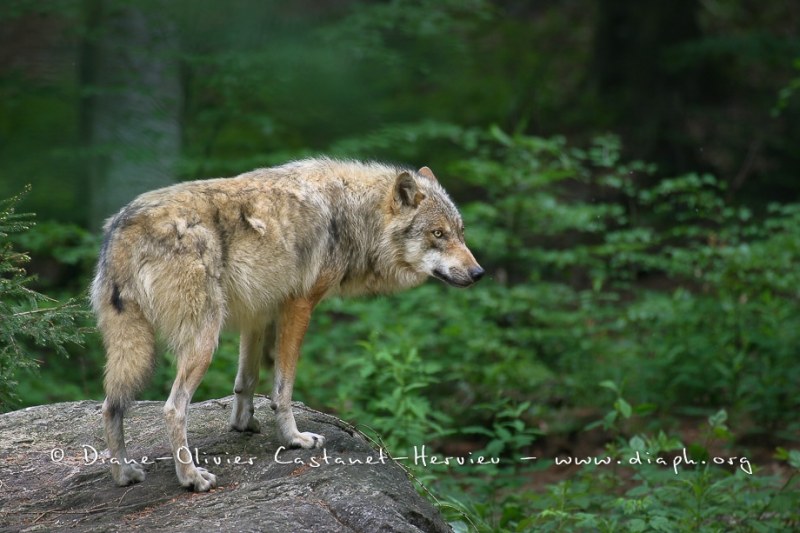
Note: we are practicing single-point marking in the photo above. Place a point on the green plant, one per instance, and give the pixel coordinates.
(657, 483)
(386, 387)
(656, 295)
(29, 320)
(601, 275)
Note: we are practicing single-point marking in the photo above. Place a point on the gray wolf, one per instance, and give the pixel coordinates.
(257, 252)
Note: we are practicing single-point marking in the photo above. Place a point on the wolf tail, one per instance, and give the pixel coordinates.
(128, 337)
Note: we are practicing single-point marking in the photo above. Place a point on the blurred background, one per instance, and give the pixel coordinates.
(628, 174)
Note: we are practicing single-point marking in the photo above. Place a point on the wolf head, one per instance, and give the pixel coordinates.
(430, 232)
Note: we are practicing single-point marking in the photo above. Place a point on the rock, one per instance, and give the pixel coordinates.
(51, 478)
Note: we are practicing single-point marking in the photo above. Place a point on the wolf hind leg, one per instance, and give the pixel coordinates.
(255, 341)
(293, 323)
(130, 354)
(193, 360)
(125, 472)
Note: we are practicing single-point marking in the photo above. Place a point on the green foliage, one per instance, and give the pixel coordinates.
(657, 483)
(620, 298)
(659, 297)
(787, 93)
(386, 393)
(659, 292)
(27, 318)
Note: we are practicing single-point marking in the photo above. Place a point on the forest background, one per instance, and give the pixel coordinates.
(628, 174)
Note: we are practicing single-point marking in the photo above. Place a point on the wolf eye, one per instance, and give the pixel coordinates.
(438, 233)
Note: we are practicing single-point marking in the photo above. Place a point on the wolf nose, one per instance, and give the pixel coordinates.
(476, 273)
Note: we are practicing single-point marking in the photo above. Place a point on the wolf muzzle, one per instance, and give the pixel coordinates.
(461, 278)
(476, 273)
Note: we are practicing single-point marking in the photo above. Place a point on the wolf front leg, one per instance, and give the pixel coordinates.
(292, 325)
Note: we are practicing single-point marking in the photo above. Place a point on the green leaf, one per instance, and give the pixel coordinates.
(623, 407)
(718, 418)
(608, 384)
(637, 443)
(794, 458)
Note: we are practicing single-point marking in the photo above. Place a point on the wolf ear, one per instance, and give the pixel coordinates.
(428, 173)
(406, 192)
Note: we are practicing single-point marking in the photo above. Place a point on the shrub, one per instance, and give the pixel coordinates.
(28, 318)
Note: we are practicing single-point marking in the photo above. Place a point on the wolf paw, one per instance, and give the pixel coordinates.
(128, 474)
(200, 480)
(306, 440)
(242, 418)
(248, 423)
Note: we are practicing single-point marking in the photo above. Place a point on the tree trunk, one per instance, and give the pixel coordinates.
(131, 108)
(634, 70)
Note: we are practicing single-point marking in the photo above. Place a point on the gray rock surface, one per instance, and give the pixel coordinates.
(43, 490)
